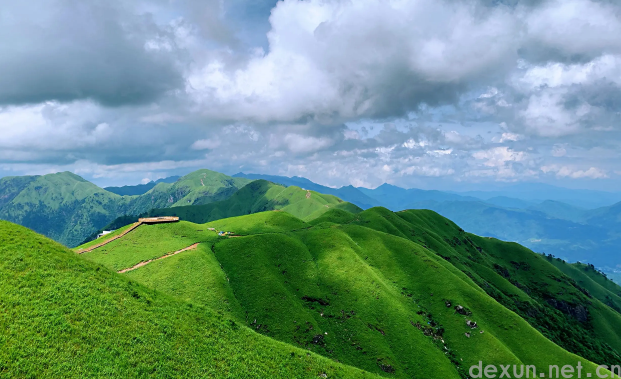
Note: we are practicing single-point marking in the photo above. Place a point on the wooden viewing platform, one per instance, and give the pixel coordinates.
(157, 220)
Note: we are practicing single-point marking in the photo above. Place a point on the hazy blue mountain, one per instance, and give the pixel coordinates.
(510, 202)
(351, 193)
(397, 198)
(539, 192)
(538, 231)
(608, 218)
(557, 209)
(140, 189)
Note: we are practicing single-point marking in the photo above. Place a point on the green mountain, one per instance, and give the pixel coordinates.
(258, 196)
(198, 187)
(140, 189)
(401, 295)
(563, 227)
(62, 206)
(62, 316)
(352, 194)
(68, 209)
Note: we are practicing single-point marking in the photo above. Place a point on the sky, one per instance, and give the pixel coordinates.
(446, 94)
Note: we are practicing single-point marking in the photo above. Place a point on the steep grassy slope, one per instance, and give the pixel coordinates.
(522, 281)
(369, 290)
(257, 196)
(62, 206)
(68, 209)
(61, 316)
(594, 282)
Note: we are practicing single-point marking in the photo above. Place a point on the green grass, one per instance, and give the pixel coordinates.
(260, 196)
(516, 277)
(148, 242)
(334, 216)
(192, 276)
(62, 316)
(104, 238)
(69, 209)
(264, 222)
(368, 280)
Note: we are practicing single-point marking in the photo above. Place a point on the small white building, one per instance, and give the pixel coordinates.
(104, 233)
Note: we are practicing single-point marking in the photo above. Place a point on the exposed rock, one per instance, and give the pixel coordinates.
(462, 311)
(471, 324)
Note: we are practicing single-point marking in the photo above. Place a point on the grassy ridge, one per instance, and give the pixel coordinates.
(61, 316)
(371, 290)
(149, 242)
(260, 196)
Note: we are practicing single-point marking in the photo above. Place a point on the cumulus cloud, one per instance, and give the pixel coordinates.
(351, 59)
(370, 91)
(66, 50)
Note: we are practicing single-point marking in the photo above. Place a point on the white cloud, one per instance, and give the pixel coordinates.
(363, 58)
(575, 26)
(575, 173)
(298, 143)
(204, 144)
(357, 92)
(547, 116)
(499, 156)
(507, 137)
(558, 74)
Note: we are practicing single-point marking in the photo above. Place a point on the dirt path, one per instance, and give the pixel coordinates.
(157, 259)
(137, 224)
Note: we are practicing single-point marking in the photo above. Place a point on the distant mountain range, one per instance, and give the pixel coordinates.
(69, 209)
(538, 192)
(563, 229)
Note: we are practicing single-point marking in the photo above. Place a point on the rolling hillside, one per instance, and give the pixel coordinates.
(62, 316)
(395, 294)
(257, 196)
(566, 225)
(68, 209)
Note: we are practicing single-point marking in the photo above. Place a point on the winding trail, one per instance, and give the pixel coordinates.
(136, 224)
(157, 259)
